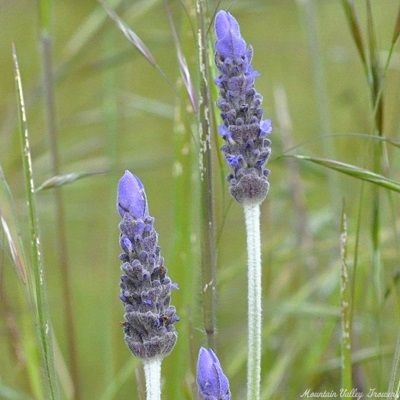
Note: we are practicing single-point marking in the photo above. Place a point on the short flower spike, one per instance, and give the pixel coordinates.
(244, 130)
(145, 287)
(211, 380)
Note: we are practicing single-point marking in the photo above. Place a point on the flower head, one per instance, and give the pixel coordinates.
(145, 287)
(244, 130)
(211, 380)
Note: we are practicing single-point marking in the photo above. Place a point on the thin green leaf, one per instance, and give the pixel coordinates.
(37, 264)
(375, 78)
(44, 16)
(355, 30)
(86, 33)
(183, 66)
(394, 376)
(355, 172)
(396, 32)
(8, 222)
(123, 375)
(65, 179)
(14, 250)
(7, 393)
(359, 357)
(90, 27)
(132, 37)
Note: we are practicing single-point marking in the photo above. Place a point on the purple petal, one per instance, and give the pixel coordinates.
(265, 127)
(131, 196)
(234, 160)
(224, 131)
(229, 40)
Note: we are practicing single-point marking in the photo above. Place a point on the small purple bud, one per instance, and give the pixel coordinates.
(224, 131)
(126, 244)
(123, 298)
(131, 196)
(229, 41)
(211, 380)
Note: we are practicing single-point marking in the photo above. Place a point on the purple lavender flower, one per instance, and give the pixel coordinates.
(145, 287)
(246, 147)
(211, 380)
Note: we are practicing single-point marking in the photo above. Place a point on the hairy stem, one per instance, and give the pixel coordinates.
(152, 373)
(346, 309)
(252, 219)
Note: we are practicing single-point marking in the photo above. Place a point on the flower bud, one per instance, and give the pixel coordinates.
(211, 380)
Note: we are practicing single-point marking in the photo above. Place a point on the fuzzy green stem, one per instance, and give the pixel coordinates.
(208, 247)
(152, 373)
(252, 219)
(346, 309)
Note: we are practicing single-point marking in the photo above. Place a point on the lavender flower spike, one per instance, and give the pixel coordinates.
(246, 147)
(211, 380)
(145, 287)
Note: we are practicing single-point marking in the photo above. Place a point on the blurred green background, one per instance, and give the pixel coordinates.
(114, 111)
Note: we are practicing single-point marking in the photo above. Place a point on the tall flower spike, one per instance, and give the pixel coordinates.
(246, 147)
(145, 287)
(211, 380)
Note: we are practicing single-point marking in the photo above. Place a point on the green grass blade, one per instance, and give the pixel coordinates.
(132, 37)
(85, 33)
(355, 30)
(396, 31)
(9, 225)
(183, 252)
(183, 65)
(354, 171)
(65, 179)
(7, 393)
(375, 80)
(394, 376)
(26, 340)
(90, 28)
(112, 335)
(185, 191)
(49, 99)
(395, 37)
(361, 356)
(37, 264)
(44, 10)
(124, 374)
